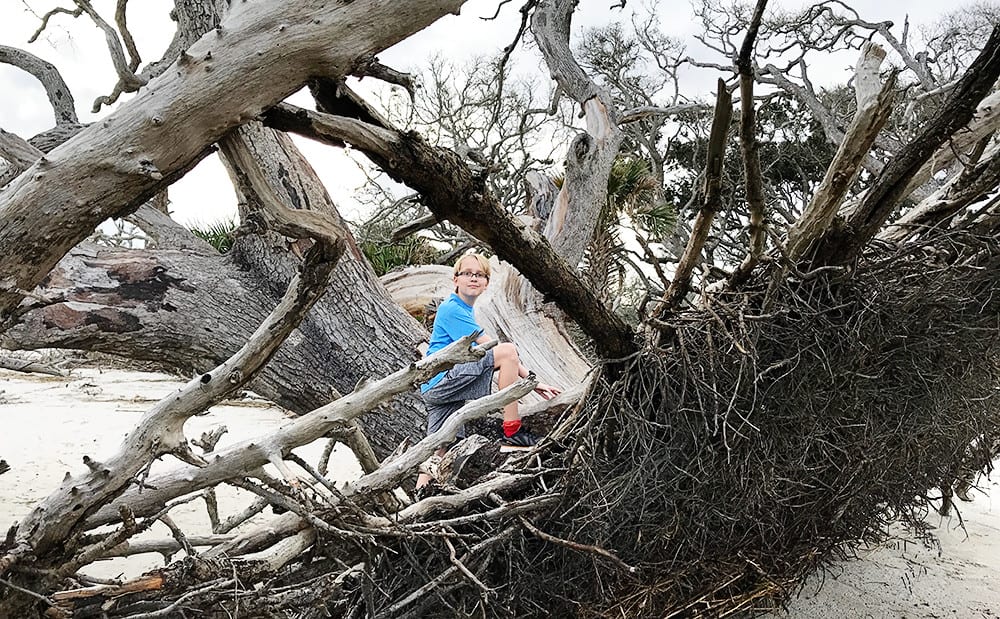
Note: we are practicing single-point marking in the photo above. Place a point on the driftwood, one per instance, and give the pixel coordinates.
(161, 430)
(765, 440)
(10, 362)
(172, 122)
(875, 104)
(45, 524)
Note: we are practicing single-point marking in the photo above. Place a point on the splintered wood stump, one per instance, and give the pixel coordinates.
(468, 461)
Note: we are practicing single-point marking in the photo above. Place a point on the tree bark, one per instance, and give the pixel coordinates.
(261, 53)
(841, 244)
(190, 311)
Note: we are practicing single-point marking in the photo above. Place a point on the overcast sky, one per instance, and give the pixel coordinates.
(78, 49)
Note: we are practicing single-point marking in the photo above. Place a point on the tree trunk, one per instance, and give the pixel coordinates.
(190, 311)
(354, 333)
(261, 53)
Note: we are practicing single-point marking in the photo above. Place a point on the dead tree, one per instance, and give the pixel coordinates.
(749, 428)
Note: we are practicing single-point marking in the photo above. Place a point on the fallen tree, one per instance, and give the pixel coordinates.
(733, 442)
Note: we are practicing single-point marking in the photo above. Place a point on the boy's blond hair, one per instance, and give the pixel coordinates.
(483, 261)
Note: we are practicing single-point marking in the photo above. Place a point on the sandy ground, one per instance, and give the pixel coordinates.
(48, 424)
(957, 577)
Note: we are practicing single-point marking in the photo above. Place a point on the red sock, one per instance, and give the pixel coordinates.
(510, 428)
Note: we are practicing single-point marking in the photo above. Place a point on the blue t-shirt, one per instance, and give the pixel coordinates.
(454, 320)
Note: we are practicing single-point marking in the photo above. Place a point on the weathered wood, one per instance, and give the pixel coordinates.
(840, 245)
(414, 287)
(8, 362)
(253, 155)
(188, 311)
(874, 106)
(421, 223)
(363, 333)
(262, 52)
(18, 153)
(234, 460)
(712, 202)
(166, 233)
(467, 461)
(752, 178)
(160, 432)
(589, 158)
(452, 191)
(985, 121)
(974, 183)
(59, 94)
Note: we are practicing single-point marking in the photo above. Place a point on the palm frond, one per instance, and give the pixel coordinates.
(218, 234)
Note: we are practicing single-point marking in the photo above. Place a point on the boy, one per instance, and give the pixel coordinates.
(448, 391)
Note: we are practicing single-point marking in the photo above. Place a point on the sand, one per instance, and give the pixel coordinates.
(959, 576)
(49, 424)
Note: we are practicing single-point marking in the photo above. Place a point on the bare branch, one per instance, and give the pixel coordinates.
(640, 113)
(120, 20)
(45, 20)
(893, 183)
(414, 226)
(370, 66)
(266, 208)
(160, 431)
(133, 154)
(234, 460)
(55, 86)
(710, 206)
(875, 102)
(18, 153)
(128, 81)
(167, 233)
(974, 183)
(9, 362)
(591, 154)
(578, 546)
(750, 147)
(451, 191)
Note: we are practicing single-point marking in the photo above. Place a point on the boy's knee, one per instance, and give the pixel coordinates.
(505, 351)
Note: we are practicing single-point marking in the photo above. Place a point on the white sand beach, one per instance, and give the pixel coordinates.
(49, 423)
(957, 577)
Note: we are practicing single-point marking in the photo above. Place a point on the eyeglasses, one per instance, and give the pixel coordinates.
(473, 275)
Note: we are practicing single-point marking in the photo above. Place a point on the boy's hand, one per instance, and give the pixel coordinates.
(547, 391)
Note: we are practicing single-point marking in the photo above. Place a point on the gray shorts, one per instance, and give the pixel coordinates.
(464, 382)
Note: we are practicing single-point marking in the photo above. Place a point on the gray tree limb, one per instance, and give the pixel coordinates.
(45, 72)
(263, 52)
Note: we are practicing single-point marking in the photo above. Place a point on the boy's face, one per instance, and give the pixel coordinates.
(471, 280)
